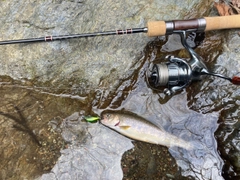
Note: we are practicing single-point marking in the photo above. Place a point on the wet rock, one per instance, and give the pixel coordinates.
(220, 95)
(217, 93)
(29, 130)
(149, 161)
(81, 61)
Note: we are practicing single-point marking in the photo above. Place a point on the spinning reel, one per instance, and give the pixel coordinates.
(177, 73)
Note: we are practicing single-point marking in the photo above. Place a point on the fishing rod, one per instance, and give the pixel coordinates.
(177, 73)
(154, 28)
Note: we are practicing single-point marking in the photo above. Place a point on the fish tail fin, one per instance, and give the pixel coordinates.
(182, 143)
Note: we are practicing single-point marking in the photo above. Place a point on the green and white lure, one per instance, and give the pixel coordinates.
(91, 119)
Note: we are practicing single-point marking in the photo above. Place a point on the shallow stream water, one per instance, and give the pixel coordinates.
(43, 134)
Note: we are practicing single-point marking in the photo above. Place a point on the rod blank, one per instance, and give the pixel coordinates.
(63, 37)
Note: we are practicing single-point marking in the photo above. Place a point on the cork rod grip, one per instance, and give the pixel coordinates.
(222, 22)
(156, 28)
(160, 28)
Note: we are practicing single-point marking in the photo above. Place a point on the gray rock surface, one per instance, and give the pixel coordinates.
(82, 61)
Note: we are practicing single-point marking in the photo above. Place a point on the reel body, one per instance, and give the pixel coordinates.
(178, 73)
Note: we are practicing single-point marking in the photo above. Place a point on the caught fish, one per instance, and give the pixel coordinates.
(140, 129)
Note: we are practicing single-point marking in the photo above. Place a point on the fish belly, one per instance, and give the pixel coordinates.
(146, 137)
(155, 137)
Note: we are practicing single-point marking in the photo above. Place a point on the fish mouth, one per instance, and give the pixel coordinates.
(103, 116)
(102, 119)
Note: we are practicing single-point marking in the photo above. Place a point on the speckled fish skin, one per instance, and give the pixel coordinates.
(140, 129)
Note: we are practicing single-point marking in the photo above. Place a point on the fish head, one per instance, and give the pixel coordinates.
(110, 119)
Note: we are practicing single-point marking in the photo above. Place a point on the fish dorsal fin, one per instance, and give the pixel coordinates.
(124, 127)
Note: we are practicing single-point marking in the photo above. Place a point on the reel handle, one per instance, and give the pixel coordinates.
(236, 80)
(161, 28)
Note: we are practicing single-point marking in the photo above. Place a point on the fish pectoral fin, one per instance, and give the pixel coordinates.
(124, 127)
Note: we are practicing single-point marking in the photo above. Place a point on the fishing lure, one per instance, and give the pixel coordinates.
(91, 119)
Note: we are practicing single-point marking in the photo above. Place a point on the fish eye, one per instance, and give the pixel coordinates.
(108, 115)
